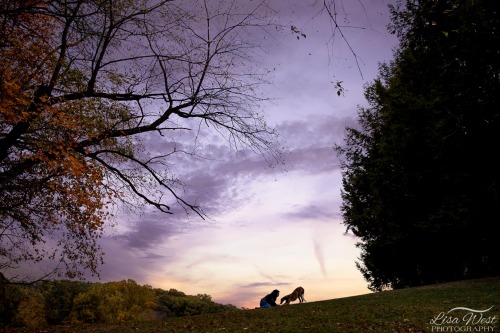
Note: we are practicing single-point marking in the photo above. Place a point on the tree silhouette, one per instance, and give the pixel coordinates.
(420, 179)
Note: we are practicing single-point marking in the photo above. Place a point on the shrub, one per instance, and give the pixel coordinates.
(113, 302)
(31, 309)
(59, 299)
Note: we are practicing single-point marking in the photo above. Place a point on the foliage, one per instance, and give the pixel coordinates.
(75, 302)
(59, 299)
(405, 310)
(113, 302)
(48, 302)
(82, 83)
(420, 176)
(173, 303)
(9, 303)
(31, 310)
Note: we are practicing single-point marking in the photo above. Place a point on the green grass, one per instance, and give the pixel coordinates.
(407, 310)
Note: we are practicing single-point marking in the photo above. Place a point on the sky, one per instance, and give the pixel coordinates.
(268, 228)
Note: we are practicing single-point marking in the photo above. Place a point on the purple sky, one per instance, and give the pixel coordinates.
(270, 228)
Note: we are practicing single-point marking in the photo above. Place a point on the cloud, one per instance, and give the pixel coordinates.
(220, 182)
(264, 284)
(315, 131)
(213, 176)
(147, 233)
(313, 212)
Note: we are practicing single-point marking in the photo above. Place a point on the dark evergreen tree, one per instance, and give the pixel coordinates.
(421, 182)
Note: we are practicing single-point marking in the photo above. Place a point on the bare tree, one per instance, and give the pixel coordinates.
(83, 81)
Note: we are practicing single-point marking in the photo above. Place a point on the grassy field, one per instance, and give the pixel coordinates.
(409, 310)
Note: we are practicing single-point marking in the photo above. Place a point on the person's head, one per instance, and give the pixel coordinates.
(275, 293)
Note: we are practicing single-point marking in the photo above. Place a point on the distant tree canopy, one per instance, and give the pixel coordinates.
(74, 302)
(83, 82)
(421, 181)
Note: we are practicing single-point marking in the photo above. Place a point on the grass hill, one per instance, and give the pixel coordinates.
(450, 307)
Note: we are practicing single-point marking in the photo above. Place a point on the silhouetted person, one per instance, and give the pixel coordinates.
(270, 299)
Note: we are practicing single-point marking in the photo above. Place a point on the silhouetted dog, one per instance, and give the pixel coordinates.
(297, 293)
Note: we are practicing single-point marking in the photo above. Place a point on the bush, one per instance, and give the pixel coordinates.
(31, 309)
(59, 299)
(173, 303)
(113, 302)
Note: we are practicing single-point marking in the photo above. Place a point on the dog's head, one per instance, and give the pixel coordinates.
(284, 299)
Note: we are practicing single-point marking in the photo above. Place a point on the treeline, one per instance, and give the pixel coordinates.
(73, 302)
